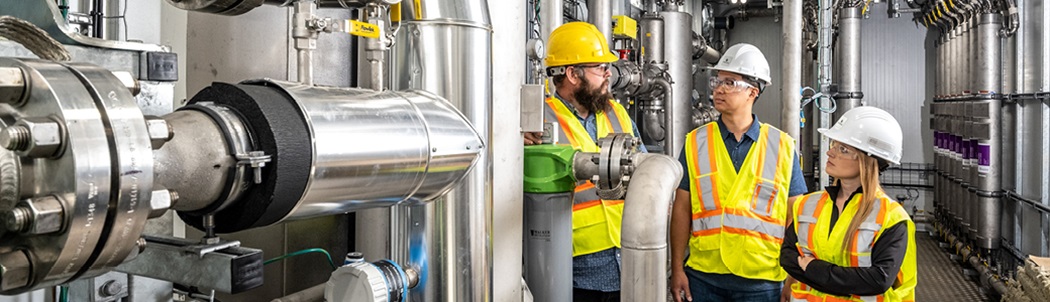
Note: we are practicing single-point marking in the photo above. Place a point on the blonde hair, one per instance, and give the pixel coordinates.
(869, 182)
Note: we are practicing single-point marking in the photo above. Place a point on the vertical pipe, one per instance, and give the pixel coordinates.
(791, 73)
(807, 135)
(304, 66)
(599, 13)
(651, 40)
(551, 16)
(1044, 55)
(678, 51)
(825, 76)
(445, 47)
(111, 25)
(371, 71)
(849, 63)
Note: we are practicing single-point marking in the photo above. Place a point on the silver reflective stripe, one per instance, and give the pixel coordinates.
(869, 298)
(615, 120)
(753, 224)
(707, 183)
(766, 189)
(551, 117)
(806, 219)
(769, 167)
(707, 223)
(866, 234)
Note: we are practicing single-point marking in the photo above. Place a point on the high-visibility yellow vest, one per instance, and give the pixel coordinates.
(738, 217)
(595, 222)
(813, 221)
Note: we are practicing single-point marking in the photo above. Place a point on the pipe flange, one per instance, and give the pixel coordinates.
(615, 165)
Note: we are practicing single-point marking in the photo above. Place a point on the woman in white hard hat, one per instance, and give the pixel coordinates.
(852, 242)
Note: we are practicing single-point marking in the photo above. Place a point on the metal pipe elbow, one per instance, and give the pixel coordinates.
(649, 197)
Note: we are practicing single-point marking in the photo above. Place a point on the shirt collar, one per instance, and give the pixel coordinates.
(751, 133)
(833, 192)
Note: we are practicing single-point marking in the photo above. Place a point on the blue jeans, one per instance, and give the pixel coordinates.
(704, 291)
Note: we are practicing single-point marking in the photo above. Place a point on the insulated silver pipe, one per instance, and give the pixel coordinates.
(339, 174)
(446, 47)
(678, 39)
(791, 73)
(599, 13)
(644, 228)
(436, 147)
(551, 16)
(849, 61)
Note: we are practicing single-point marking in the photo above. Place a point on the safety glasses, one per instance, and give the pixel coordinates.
(840, 149)
(602, 68)
(730, 84)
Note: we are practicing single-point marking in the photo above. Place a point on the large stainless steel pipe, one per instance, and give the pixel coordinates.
(446, 48)
(678, 39)
(791, 73)
(334, 171)
(849, 61)
(645, 222)
(599, 13)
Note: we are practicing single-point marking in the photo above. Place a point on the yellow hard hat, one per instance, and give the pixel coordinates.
(577, 42)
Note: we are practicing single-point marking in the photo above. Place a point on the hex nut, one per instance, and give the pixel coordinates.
(45, 137)
(159, 203)
(15, 270)
(46, 214)
(13, 86)
(159, 130)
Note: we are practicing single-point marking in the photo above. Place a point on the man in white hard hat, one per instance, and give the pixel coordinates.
(731, 208)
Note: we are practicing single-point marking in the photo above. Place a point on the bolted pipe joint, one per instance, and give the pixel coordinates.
(37, 216)
(36, 137)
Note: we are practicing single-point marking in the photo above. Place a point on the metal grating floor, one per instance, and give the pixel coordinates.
(940, 278)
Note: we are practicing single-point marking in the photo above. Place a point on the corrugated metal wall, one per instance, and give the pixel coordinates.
(894, 78)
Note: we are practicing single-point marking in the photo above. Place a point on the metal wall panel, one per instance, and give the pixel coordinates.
(257, 44)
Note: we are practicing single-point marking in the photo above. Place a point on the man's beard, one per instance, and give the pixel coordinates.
(595, 100)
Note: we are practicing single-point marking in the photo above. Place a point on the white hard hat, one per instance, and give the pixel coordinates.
(871, 130)
(746, 60)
